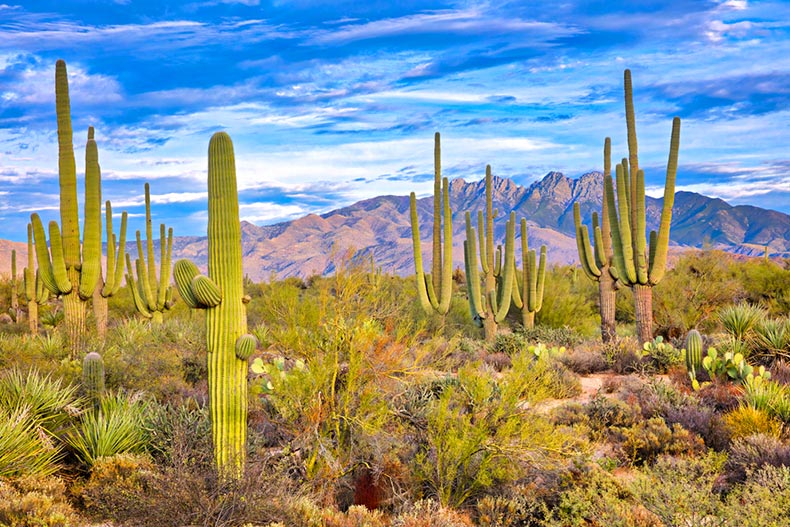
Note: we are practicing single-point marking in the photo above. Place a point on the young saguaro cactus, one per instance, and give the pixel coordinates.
(635, 264)
(110, 285)
(14, 288)
(693, 351)
(71, 272)
(221, 294)
(35, 292)
(597, 262)
(528, 295)
(435, 290)
(93, 378)
(152, 296)
(490, 305)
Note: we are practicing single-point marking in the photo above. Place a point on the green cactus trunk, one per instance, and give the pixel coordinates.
(101, 309)
(221, 294)
(74, 315)
(607, 296)
(643, 312)
(694, 351)
(93, 378)
(32, 285)
(14, 288)
(435, 291)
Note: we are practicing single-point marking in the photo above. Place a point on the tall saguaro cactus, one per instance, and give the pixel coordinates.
(435, 290)
(35, 292)
(597, 262)
(71, 272)
(14, 288)
(152, 295)
(490, 305)
(528, 296)
(110, 285)
(221, 294)
(636, 264)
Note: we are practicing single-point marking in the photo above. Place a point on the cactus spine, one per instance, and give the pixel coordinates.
(35, 292)
(93, 378)
(152, 296)
(528, 295)
(69, 272)
(597, 263)
(489, 305)
(222, 295)
(435, 290)
(635, 264)
(107, 287)
(693, 351)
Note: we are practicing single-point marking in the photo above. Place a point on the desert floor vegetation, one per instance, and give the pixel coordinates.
(363, 410)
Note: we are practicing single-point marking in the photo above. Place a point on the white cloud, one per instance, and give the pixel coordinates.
(266, 212)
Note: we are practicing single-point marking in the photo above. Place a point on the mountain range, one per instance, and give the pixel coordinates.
(380, 227)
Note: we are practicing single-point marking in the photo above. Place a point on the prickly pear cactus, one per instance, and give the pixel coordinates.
(221, 294)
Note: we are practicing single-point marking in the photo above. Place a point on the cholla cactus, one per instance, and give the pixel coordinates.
(221, 294)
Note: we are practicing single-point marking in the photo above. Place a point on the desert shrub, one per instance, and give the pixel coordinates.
(178, 434)
(746, 420)
(568, 304)
(766, 284)
(430, 513)
(584, 362)
(661, 355)
(126, 491)
(601, 498)
(623, 355)
(509, 343)
(691, 292)
(680, 491)
(605, 412)
(35, 502)
(721, 396)
(701, 420)
(753, 452)
(116, 427)
(566, 336)
(115, 485)
(764, 500)
(479, 435)
(512, 510)
(569, 414)
(646, 440)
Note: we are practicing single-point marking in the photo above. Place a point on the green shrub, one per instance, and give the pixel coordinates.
(48, 403)
(430, 513)
(680, 491)
(115, 486)
(763, 501)
(646, 440)
(739, 320)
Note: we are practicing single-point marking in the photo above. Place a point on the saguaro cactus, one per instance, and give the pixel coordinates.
(35, 292)
(598, 262)
(528, 295)
(635, 264)
(490, 305)
(14, 288)
(693, 351)
(152, 296)
(110, 285)
(72, 273)
(221, 294)
(435, 290)
(93, 378)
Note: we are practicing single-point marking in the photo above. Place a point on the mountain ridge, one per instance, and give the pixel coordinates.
(380, 227)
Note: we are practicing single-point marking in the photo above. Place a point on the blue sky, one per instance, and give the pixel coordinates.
(332, 102)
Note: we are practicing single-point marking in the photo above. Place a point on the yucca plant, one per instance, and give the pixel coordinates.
(740, 319)
(773, 337)
(117, 427)
(47, 402)
(23, 450)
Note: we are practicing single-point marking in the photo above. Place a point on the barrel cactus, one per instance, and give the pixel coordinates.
(221, 294)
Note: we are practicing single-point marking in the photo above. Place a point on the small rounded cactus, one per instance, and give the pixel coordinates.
(694, 351)
(93, 378)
